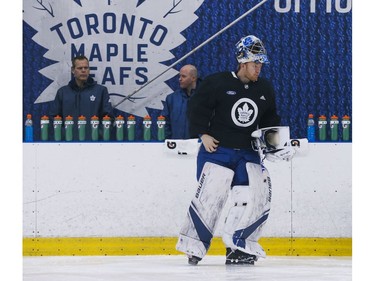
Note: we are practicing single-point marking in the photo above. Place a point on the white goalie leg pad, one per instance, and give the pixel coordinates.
(251, 206)
(205, 210)
(239, 200)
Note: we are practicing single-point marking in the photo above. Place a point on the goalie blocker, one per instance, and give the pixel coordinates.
(274, 144)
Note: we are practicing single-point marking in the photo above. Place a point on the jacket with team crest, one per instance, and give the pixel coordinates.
(92, 99)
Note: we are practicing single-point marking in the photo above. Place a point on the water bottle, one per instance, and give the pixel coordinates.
(119, 128)
(147, 128)
(345, 128)
(94, 128)
(57, 124)
(69, 123)
(106, 122)
(322, 125)
(161, 129)
(334, 127)
(131, 127)
(82, 128)
(29, 130)
(44, 124)
(311, 128)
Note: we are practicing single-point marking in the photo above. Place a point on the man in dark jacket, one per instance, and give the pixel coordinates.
(82, 96)
(175, 106)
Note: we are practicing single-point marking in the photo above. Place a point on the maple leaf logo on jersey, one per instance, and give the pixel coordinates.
(244, 113)
(125, 42)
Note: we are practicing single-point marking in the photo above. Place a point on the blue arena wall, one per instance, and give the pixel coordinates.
(309, 44)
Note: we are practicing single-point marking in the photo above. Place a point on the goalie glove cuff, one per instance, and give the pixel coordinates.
(284, 154)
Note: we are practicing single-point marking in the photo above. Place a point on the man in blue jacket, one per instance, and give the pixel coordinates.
(82, 96)
(175, 107)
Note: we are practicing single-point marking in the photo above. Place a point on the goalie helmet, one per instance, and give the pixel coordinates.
(251, 49)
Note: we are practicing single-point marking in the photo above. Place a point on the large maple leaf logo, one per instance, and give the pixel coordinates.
(125, 41)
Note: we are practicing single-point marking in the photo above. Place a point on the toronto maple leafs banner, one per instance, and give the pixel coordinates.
(129, 43)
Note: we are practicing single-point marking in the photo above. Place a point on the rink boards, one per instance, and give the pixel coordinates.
(131, 198)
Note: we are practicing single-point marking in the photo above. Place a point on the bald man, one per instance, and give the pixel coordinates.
(175, 106)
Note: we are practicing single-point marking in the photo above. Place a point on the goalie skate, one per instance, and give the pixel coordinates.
(193, 260)
(236, 257)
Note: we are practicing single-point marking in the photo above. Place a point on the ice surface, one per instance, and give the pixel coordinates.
(175, 268)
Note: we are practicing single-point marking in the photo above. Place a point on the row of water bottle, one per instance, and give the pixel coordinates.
(66, 126)
(328, 130)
